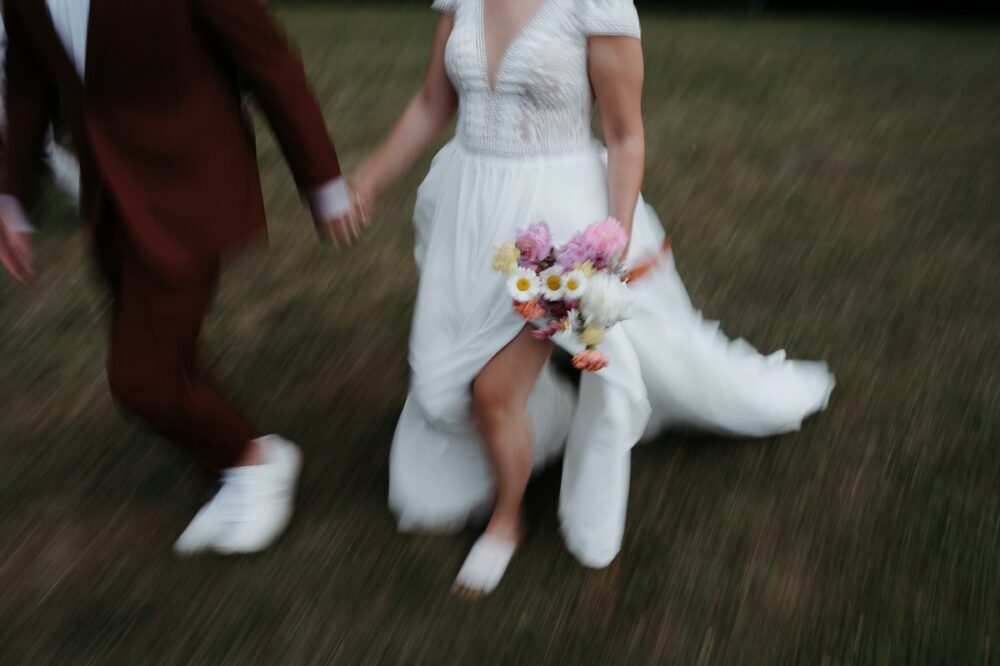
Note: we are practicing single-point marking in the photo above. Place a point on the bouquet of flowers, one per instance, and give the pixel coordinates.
(579, 288)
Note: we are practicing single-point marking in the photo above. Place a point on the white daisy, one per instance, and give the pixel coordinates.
(523, 285)
(553, 285)
(576, 284)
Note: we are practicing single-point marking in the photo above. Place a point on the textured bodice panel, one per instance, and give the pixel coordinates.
(541, 103)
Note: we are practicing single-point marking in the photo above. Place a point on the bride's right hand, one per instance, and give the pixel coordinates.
(363, 196)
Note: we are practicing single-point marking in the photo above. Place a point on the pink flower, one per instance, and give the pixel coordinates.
(547, 332)
(600, 243)
(574, 252)
(607, 239)
(535, 242)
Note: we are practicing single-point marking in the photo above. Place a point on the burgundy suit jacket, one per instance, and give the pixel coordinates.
(157, 121)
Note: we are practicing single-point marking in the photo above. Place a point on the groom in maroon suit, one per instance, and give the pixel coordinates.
(170, 186)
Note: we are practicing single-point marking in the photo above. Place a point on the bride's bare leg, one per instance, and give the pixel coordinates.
(500, 396)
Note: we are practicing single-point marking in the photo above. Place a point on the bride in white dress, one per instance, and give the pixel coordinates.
(485, 406)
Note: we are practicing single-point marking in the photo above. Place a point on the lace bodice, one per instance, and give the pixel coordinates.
(541, 102)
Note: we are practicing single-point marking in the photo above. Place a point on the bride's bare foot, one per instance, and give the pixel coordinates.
(488, 560)
(484, 567)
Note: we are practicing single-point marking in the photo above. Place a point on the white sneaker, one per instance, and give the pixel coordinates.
(253, 507)
(259, 505)
(198, 536)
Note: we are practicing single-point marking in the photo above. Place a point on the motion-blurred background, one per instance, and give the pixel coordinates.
(831, 180)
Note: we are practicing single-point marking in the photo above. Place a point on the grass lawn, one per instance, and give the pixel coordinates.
(832, 187)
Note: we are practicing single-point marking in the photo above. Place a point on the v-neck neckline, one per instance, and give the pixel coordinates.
(493, 75)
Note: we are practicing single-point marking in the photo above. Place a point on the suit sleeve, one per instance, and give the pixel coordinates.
(30, 98)
(248, 36)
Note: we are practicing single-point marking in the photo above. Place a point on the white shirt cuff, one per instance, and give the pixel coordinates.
(330, 201)
(14, 216)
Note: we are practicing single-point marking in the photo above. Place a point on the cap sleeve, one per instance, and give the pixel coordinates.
(609, 17)
(445, 6)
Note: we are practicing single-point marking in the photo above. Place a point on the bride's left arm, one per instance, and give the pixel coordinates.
(616, 73)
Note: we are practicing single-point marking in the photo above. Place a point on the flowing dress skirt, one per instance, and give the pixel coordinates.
(668, 366)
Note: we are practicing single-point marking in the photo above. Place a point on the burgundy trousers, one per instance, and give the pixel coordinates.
(152, 368)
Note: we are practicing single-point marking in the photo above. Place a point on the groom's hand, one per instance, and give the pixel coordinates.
(16, 254)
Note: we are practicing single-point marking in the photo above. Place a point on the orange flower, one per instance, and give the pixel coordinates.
(530, 310)
(590, 360)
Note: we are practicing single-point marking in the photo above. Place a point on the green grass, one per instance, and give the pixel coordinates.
(832, 187)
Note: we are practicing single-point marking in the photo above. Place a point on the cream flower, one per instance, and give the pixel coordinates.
(587, 268)
(553, 285)
(576, 285)
(523, 285)
(505, 259)
(592, 335)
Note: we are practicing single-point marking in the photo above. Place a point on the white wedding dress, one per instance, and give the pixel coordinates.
(524, 152)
